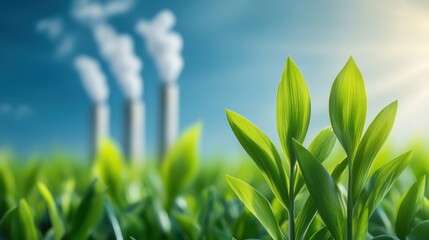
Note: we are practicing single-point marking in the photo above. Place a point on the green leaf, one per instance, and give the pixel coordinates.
(263, 153)
(376, 189)
(188, 225)
(305, 217)
(309, 210)
(257, 204)
(56, 220)
(7, 188)
(323, 144)
(424, 209)
(293, 108)
(23, 227)
(421, 231)
(87, 214)
(181, 162)
(321, 147)
(324, 192)
(408, 208)
(108, 168)
(372, 141)
(113, 220)
(347, 107)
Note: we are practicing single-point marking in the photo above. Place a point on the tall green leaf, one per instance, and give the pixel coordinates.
(258, 205)
(113, 220)
(375, 190)
(309, 210)
(293, 107)
(372, 141)
(87, 214)
(263, 153)
(408, 208)
(324, 192)
(56, 220)
(23, 226)
(18, 223)
(181, 162)
(347, 106)
(321, 147)
(108, 167)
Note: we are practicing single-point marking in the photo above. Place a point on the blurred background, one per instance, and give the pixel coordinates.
(233, 55)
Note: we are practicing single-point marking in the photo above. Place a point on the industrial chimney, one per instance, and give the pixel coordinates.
(94, 82)
(165, 47)
(134, 127)
(169, 115)
(118, 50)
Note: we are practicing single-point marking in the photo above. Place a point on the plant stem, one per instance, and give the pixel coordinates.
(350, 203)
(292, 201)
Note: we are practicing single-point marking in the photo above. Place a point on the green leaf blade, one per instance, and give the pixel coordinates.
(372, 142)
(324, 192)
(108, 167)
(408, 208)
(347, 107)
(56, 220)
(184, 156)
(263, 152)
(309, 210)
(258, 205)
(321, 147)
(87, 214)
(375, 190)
(293, 108)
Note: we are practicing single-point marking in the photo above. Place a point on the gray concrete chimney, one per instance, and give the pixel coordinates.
(169, 113)
(134, 131)
(99, 126)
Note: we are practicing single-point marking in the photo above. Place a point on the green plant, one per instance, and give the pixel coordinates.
(344, 217)
(283, 177)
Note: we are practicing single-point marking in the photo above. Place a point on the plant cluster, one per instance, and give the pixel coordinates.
(345, 214)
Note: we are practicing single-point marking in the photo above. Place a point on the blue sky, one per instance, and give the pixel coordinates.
(234, 54)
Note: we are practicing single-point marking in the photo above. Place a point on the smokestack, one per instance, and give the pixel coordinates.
(134, 127)
(165, 47)
(94, 82)
(169, 115)
(118, 50)
(99, 126)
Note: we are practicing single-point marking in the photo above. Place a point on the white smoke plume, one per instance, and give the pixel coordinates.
(163, 44)
(93, 79)
(93, 11)
(118, 51)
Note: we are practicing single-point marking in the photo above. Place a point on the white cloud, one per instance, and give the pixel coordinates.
(23, 111)
(55, 31)
(5, 108)
(19, 111)
(52, 27)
